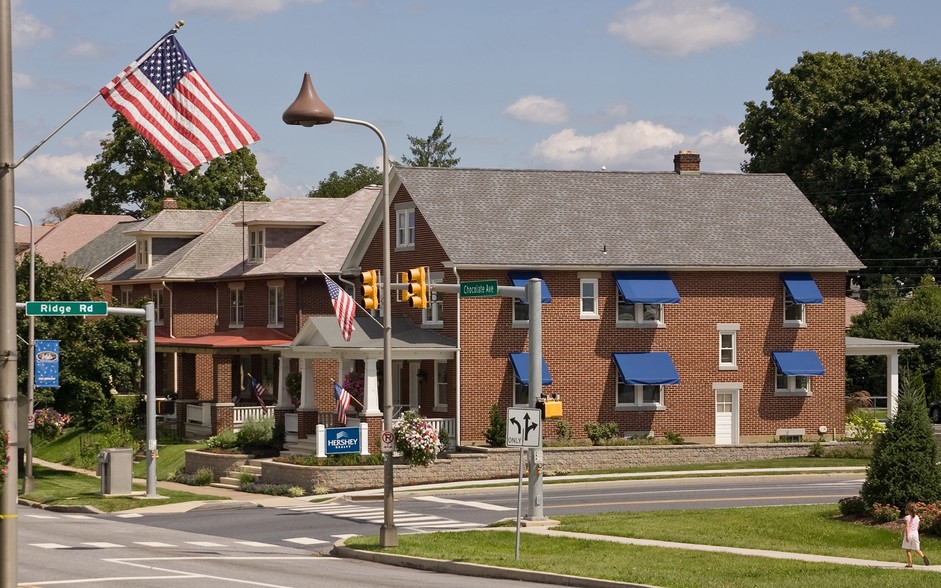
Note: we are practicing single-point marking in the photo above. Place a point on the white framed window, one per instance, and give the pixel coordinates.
(276, 305)
(785, 385)
(405, 227)
(638, 314)
(441, 385)
(433, 315)
(794, 312)
(236, 305)
(156, 296)
(143, 253)
(256, 245)
(728, 346)
(520, 313)
(127, 293)
(588, 288)
(638, 396)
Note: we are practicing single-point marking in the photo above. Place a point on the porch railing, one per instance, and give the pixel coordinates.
(244, 413)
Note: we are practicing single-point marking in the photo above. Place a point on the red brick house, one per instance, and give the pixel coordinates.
(711, 305)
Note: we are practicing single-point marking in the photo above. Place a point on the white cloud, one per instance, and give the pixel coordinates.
(235, 9)
(721, 150)
(868, 19)
(83, 49)
(44, 181)
(677, 28)
(27, 29)
(536, 109)
(23, 81)
(618, 146)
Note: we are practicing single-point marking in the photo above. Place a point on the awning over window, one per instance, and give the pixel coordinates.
(647, 287)
(802, 287)
(520, 363)
(521, 279)
(647, 368)
(798, 363)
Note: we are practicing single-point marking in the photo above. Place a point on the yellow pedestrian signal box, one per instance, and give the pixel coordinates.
(550, 405)
(403, 294)
(418, 287)
(371, 280)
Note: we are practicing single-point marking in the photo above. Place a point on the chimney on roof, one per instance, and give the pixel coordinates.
(686, 162)
(170, 204)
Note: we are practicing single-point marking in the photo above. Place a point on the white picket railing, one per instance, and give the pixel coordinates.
(244, 413)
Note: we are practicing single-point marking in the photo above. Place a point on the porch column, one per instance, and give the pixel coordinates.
(371, 385)
(414, 387)
(892, 382)
(284, 399)
(308, 401)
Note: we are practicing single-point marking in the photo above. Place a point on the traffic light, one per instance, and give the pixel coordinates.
(403, 294)
(371, 280)
(418, 287)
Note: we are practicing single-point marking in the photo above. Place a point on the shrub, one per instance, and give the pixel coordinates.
(416, 439)
(48, 423)
(884, 513)
(852, 505)
(343, 459)
(852, 451)
(904, 461)
(816, 450)
(858, 399)
(202, 477)
(272, 489)
(563, 430)
(444, 439)
(496, 433)
(256, 432)
(601, 434)
(674, 438)
(863, 426)
(226, 439)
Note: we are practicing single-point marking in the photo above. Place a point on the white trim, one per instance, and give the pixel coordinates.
(256, 245)
(588, 314)
(405, 219)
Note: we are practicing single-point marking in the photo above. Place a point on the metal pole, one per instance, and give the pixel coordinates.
(8, 522)
(28, 481)
(388, 534)
(534, 488)
(151, 453)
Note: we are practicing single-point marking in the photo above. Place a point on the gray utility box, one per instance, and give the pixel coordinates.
(115, 468)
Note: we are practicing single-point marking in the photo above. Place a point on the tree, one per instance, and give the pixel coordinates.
(435, 151)
(130, 176)
(861, 137)
(904, 460)
(58, 214)
(353, 179)
(96, 355)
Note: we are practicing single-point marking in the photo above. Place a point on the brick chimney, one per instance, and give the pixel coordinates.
(686, 162)
(170, 204)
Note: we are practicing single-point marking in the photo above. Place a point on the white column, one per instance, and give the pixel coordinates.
(892, 382)
(364, 438)
(371, 385)
(308, 402)
(321, 441)
(413, 385)
(284, 399)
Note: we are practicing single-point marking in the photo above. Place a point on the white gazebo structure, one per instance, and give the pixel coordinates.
(890, 349)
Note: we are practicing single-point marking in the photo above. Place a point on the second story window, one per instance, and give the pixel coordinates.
(404, 228)
(143, 253)
(638, 313)
(276, 305)
(728, 346)
(589, 295)
(237, 306)
(256, 245)
(127, 293)
(156, 296)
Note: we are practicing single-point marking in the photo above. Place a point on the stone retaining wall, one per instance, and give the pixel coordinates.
(219, 463)
(476, 463)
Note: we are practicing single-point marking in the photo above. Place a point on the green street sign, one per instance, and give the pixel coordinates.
(68, 308)
(479, 289)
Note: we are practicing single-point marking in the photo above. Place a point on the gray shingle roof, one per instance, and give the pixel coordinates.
(533, 218)
(107, 246)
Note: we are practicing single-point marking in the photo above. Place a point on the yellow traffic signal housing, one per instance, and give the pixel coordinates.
(403, 294)
(371, 280)
(418, 287)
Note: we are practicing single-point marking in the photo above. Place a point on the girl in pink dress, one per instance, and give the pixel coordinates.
(910, 539)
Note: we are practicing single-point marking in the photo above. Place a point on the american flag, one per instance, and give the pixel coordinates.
(344, 306)
(166, 99)
(259, 393)
(343, 402)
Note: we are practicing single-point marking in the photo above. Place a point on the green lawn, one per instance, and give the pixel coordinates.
(805, 529)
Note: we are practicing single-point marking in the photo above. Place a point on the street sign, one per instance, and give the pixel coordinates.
(523, 427)
(68, 308)
(480, 289)
(386, 442)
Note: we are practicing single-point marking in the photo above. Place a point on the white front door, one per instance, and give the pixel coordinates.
(725, 425)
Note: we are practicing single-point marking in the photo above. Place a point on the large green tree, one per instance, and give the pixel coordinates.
(861, 137)
(353, 179)
(130, 177)
(434, 151)
(96, 355)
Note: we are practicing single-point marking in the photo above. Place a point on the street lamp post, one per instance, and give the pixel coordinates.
(28, 481)
(308, 110)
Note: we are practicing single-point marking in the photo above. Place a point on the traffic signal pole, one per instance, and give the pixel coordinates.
(534, 488)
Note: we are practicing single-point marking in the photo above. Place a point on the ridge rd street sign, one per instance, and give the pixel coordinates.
(523, 427)
(480, 289)
(68, 308)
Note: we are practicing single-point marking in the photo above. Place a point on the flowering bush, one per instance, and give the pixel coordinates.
(885, 513)
(354, 383)
(48, 423)
(4, 458)
(416, 439)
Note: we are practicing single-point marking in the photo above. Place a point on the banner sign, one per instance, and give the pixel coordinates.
(342, 440)
(46, 374)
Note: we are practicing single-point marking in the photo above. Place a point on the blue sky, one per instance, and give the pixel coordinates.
(547, 84)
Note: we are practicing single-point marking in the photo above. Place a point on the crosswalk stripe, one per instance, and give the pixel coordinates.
(153, 544)
(376, 515)
(306, 541)
(470, 503)
(254, 544)
(205, 544)
(50, 545)
(129, 515)
(102, 544)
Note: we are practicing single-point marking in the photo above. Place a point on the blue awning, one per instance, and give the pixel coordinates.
(798, 363)
(802, 287)
(522, 278)
(647, 368)
(520, 363)
(647, 287)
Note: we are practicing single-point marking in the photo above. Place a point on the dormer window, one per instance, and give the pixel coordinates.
(256, 246)
(143, 253)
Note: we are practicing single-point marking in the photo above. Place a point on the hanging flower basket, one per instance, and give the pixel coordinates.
(416, 439)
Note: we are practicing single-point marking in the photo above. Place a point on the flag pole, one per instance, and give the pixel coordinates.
(369, 314)
(128, 71)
